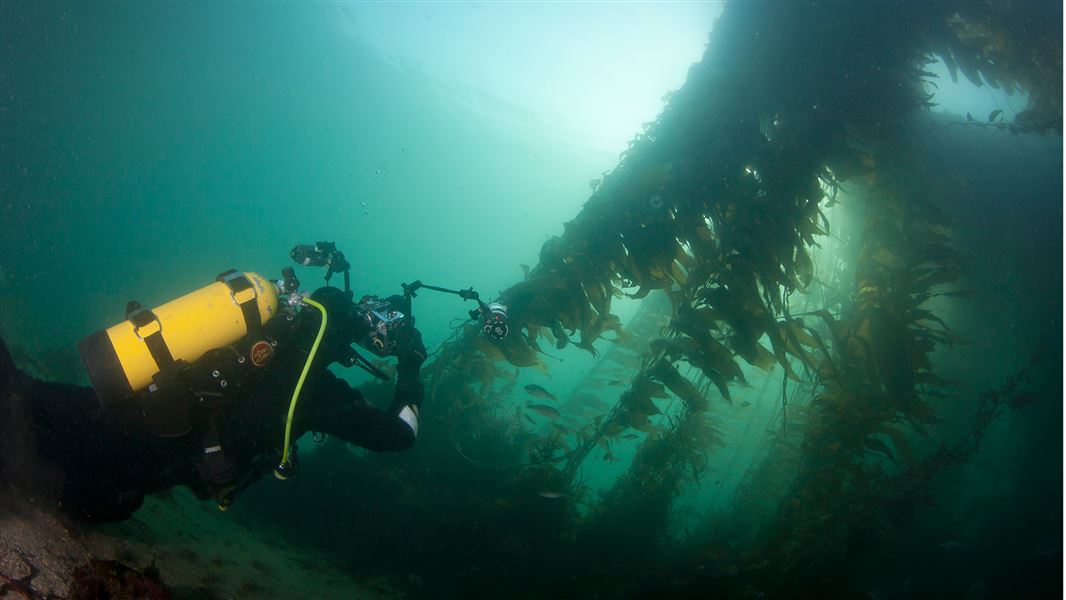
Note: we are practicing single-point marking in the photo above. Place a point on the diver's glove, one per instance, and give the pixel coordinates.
(409, 388)
(411, 353)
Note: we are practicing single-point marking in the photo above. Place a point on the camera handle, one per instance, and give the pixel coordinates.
(352, 358)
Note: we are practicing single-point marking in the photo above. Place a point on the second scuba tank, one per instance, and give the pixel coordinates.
(123, 358)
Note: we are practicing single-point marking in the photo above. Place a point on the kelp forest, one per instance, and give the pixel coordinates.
(792, 240)
(821, 358)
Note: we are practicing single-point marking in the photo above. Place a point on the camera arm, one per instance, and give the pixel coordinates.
(325, 254)
(409, 290)
(494, 314)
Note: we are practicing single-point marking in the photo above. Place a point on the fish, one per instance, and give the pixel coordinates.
(992, 116)
(544, 410)
(745, 404)
(615, 382)
(529, 418)
(630, 436)
(551, 495)
(538, 392)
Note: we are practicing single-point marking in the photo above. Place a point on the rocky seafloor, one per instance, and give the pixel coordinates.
(173, 547)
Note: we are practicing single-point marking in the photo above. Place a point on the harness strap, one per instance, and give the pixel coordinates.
(238, 282)
(142, 317)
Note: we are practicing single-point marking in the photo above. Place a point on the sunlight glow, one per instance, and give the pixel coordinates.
(592, 73)
(962, 97)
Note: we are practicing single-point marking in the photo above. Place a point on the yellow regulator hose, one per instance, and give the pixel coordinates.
(281, 470)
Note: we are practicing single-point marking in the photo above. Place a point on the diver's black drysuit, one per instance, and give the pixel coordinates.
(215, 439)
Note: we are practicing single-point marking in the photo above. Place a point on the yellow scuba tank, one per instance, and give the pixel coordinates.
(122, 359)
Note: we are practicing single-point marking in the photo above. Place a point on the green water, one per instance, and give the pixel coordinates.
(147, 147)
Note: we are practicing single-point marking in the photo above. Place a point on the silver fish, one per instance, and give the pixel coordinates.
(538, 392)
(544, 410)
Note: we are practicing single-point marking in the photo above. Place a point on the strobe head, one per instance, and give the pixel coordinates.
(494, 315)
(314, 255)
(323, 254)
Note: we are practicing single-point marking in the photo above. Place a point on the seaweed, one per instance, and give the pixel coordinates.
(715, 217)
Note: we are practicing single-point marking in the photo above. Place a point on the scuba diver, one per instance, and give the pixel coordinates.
(212, 390)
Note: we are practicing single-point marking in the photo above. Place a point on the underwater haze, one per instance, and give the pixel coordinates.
(784, 283)
(160, 144)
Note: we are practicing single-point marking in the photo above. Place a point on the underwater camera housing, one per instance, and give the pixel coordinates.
(384, 322)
